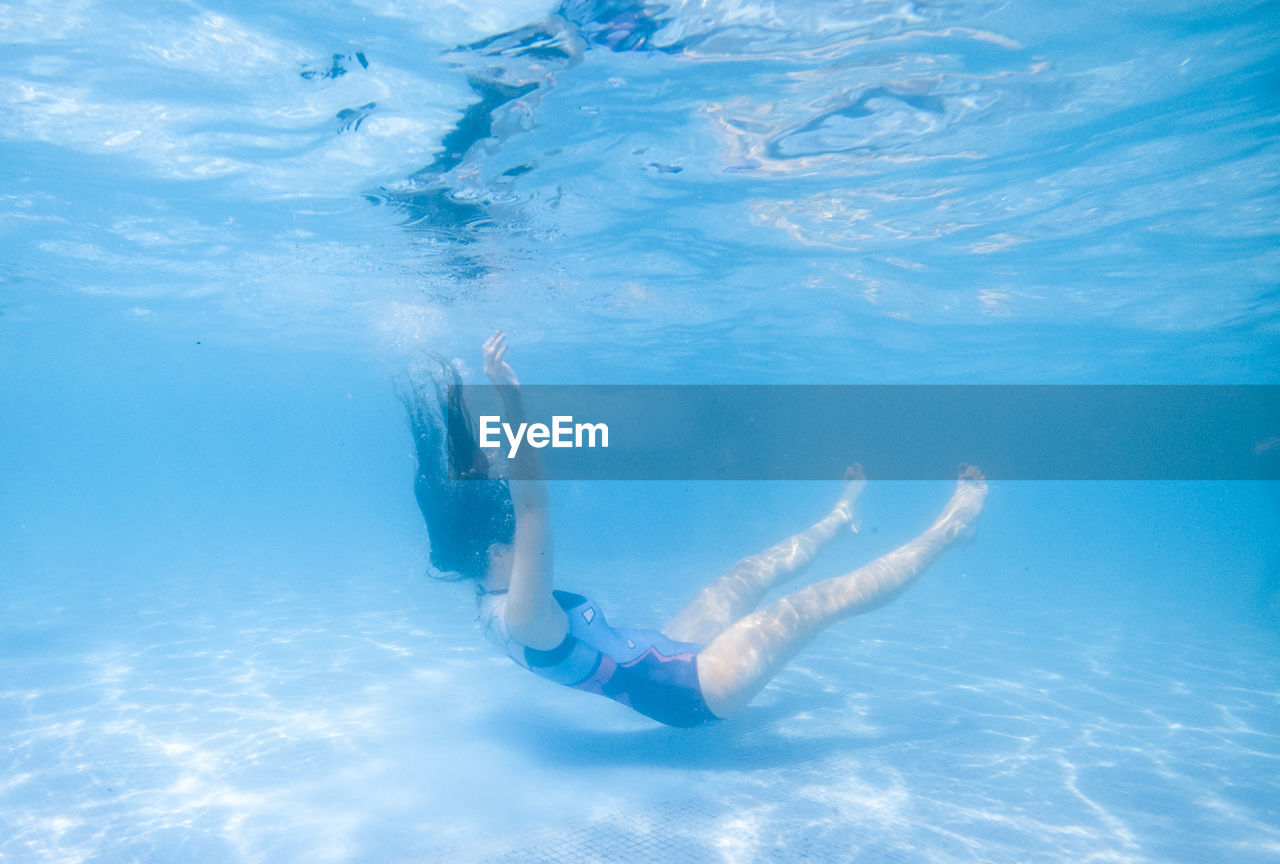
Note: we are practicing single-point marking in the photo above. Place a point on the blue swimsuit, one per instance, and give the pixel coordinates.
(642, 669)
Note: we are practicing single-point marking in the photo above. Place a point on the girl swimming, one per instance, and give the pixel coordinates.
(717, 653)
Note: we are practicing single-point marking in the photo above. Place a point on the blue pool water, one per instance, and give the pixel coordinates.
(227, 226)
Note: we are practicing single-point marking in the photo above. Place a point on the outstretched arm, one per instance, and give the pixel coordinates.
(534, 618)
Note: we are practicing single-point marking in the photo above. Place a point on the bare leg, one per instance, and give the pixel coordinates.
(737, 592)
(738, 663)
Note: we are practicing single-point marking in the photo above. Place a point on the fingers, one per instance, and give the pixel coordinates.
(494, 342)
(495, 366)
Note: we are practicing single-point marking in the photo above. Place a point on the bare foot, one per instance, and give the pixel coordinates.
(854, 482)
(960, 517)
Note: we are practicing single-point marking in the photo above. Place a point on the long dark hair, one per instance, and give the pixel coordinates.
(466, 505)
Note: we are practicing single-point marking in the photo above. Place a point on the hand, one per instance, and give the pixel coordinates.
(498, 370)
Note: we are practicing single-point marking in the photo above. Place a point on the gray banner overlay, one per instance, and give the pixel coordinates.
(896, 432)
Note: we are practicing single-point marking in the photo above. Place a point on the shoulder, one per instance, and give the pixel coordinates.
(540, 625)
(542, 629)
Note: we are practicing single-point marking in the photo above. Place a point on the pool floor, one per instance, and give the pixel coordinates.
(241, 718)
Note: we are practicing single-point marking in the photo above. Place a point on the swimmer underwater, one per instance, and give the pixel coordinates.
(717, 653)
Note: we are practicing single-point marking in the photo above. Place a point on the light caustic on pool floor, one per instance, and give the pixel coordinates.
(288, 728)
